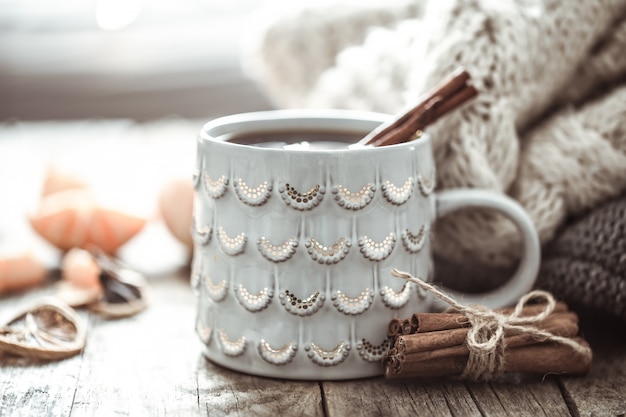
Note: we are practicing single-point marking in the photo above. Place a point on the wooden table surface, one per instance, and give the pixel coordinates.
(152, 364)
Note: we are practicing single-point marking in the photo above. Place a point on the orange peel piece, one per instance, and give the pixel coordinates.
(176, 207)
(79, 268)
(20, 272)
(57, 181)
(72, 218)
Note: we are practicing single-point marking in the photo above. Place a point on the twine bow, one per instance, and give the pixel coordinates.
(485, 339)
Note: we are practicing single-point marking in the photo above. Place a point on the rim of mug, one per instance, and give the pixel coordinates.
(222, 129)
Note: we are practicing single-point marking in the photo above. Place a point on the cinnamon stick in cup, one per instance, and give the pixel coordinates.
(443, 98)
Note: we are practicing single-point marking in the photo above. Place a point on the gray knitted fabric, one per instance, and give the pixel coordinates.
(586, 264)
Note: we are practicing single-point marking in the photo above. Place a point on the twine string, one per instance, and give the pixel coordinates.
(485, 338)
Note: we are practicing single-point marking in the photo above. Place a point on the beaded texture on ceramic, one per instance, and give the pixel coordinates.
(353, 305)
(398, 195)
(253, 196)
(377, 251)
(231, 245)
(253, 302)
(204, 332)
(280, 356)
(231, 347)
(396, 299)
(426, 185)
(318, 252)
(216, 291)
(302, 307)
(354, 200)
(202, 235)
(330, 357)
(414, 242)
(302, 201)
(215, 188)
(371, 353)
(277, 253)
(328, 254)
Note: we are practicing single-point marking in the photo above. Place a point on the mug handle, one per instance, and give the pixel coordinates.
(526, 273)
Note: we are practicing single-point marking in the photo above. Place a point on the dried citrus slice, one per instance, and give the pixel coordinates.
(50, 330)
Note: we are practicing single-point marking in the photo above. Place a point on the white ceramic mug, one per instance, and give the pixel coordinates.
(294, 245)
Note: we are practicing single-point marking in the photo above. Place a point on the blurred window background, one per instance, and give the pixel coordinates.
(138, 59)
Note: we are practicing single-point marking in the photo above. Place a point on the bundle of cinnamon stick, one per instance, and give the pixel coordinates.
(434, 345)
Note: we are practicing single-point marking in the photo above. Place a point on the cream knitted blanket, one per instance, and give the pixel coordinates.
(549, 125)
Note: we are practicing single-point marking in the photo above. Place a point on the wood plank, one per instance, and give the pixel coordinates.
(603, 391)
(551, 402)
(456, 396)
(379, 397)
(46, 389)
(227, 393)
(515, 397)
(143, 365)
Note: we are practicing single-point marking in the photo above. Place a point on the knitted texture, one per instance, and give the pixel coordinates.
(296, 42)
(586, 264)
(548, 127)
